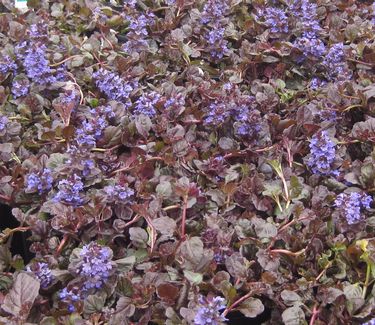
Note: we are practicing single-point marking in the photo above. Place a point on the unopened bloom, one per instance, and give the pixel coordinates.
(95, 265)
(351, 205)
(209, 311)
(322, 154)
(42, 272)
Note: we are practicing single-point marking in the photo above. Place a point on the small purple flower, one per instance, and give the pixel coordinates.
(146, 104)
(61, 73)
(20, 87)
(70, 297)
(276, 20)
(217, 43)
(310, 46)
(113, 86)
(38, 30)
(322, 154)
(42, 272)
(41, 182)
(317, 83)
(351, 205)
(131, 3)
(36, 64)
(214, 11)
(69, 191)
(7, 64)
(217, 113)
(176, 101)
(335, 62)
(209, 311)
(118, 193)
(138, 25)
(370, 322)
(95, 266)
(88, 165)
(3, 123)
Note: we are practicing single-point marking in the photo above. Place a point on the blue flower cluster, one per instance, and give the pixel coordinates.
(118, 193)
(20, 87)
(176, 101)
(41, 182)
(322, 154)
(214, 10)
(334, 62)
(71, 297)
(36, 63)
(69, 191)
(91, 130)
(42, 272)
(38, 30)
(309, 42)
(372, 321)
(146, 104)
(209, 311)
(138, 31)
(95, 266)
(217, 113)
(213, 13)
(317, 83)
(351, 205)
(7, 64)
(276, 20)
(88, 165)
(247, 122)
(113, 86)
(217, 44)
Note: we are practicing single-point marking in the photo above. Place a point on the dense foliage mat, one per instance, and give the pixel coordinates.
(181, 161)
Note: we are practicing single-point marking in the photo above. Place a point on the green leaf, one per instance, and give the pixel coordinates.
(251, 307)
(295, 187)
(21, 297)
(48, 321)
(125, 264)
(272, 189)
(192, 277)
(138, 236)
(354, 300)
(291, 298)
(93, 304)
(293, 316)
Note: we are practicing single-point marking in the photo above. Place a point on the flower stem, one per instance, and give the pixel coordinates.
(236, 303)
(183, 219)
(367, 280)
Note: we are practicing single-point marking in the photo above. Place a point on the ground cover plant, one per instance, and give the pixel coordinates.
(178, 161)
